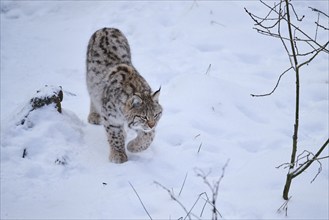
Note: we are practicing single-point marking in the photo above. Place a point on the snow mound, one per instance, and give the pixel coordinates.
(46, 138)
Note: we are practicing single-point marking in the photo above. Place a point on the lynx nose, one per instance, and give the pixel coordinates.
(151, 124)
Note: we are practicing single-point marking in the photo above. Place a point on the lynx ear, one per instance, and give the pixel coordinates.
(136, 101)
(156, 94)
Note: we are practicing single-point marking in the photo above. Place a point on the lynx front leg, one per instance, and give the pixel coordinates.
(141, 142)
(116, 138)
(93, 117)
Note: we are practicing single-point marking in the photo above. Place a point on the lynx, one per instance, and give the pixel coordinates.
(120, 97)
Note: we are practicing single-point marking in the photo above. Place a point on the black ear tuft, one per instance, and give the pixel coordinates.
(156, 94)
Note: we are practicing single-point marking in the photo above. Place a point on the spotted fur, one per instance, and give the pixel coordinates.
(119, 96)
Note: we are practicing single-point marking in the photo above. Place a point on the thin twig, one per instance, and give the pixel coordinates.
(307, 53)
(173, 197)
(196, 201)
(319, 171)
(284, 164)
(196, 136)
(304, 166)
(206, 201)
(322, 48)
(277, 84)
(24, 153)
(215, 22)
(321, 12)
(181, 189)
(321, 26)
(321, 158)
(302, 156)
(208, 70)
(297, 28)
(296, 15)
(283, 39)
(140, 200)
(284, 207)
(199, 147)
(213, 187)
(317, 27)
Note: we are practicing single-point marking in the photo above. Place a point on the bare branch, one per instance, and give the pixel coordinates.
(305, 165)
(320, 12)
(318, 51)
(317, 27)
(321, 26)
(293, 9)
(321, 158)
(269, 33)
(305, 154)
(306, 54)
(259, 20)
(302, 156)
(284, 43)
(297, 28)
(302, 167)
(266, 18)
(319, 171)
(276, 86)
(286, 165)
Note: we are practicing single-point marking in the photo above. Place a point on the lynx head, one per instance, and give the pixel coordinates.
(143, 111)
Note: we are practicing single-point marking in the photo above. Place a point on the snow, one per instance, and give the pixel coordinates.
(207, 60)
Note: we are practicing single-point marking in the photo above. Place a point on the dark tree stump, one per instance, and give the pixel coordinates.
(49, 95)
(46, 96)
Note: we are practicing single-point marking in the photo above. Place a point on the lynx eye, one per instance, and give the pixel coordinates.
(157, 115)
(144, 118)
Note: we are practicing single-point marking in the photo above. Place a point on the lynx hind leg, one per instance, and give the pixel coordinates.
(141, 142)
(116, 138)
(93, 117)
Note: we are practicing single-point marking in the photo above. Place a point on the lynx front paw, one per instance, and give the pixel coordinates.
(94, 118)
(134, 146)
(141, 142)
(118, 157)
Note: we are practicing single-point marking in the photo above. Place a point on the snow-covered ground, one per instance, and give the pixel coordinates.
(207, 60)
